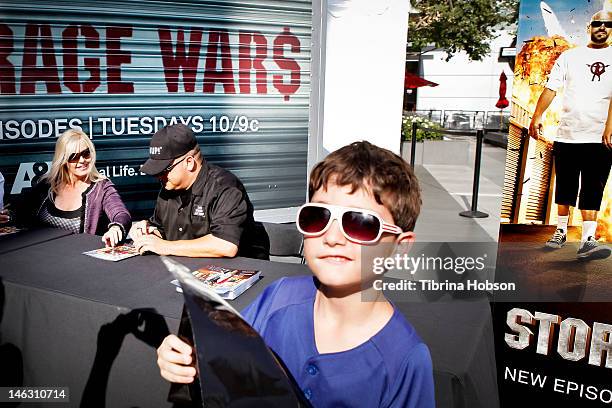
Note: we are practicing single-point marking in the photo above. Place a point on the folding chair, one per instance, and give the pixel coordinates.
(286, 242)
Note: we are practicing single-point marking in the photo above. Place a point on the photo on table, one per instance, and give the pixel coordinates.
(114, 254)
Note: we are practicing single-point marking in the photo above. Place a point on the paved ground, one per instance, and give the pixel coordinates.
(439, 220)
(456, 181)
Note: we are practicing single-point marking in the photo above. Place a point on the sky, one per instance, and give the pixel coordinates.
(573, 16)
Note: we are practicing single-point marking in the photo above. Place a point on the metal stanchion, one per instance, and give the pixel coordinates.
(413, 144)
(474, 213)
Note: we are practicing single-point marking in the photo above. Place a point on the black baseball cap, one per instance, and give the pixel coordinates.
(166, 145)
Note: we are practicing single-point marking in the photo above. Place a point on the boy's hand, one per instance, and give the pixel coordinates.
(174, 360)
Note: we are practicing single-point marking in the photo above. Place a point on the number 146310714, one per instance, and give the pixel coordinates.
(41, 394)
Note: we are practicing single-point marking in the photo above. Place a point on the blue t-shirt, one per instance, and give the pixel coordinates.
(391, 369)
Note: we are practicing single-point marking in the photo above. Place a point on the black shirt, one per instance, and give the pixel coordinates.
(48, 214)
(68, 220)
(217, 204)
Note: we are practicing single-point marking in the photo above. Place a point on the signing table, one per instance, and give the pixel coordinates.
(27, 238)
(93, 326)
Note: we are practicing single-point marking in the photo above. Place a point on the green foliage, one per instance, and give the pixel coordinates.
(426, 129)
(459, 25)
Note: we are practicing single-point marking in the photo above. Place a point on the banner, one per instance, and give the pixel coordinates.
(237, 75)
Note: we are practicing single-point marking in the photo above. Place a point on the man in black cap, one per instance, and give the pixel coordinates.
(202, 210)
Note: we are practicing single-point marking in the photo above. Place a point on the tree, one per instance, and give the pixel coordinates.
(459, 25)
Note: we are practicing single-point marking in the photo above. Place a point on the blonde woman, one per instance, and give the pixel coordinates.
(74, 196)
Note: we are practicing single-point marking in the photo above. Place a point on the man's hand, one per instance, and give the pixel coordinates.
(151, 243)
(606, 139)
(113, 236)
(535, 127)
(142, 228)
(174, 360)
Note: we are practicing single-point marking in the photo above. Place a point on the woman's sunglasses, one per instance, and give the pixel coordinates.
(357, 225)
(597, 23)
(75, 157)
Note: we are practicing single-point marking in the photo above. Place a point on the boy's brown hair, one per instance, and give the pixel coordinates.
(384, 174)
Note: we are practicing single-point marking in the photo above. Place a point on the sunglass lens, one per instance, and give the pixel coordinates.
(313, 219)
(360, 226)
(75, 157)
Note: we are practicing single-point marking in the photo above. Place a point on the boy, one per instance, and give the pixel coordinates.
(341, 350)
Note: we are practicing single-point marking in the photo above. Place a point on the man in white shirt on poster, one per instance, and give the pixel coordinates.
(582, 149)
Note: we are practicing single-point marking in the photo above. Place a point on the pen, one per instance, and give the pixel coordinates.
(108, 244)
(145, 230)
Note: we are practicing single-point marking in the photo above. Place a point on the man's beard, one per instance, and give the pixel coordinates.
(596, 40)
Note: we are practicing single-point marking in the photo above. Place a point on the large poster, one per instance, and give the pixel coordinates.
(548, 170)
(546, 29)
(555, 346)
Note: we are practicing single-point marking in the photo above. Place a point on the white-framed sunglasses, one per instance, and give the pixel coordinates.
(357, 224)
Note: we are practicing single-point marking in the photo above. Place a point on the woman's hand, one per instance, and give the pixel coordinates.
(113, 236)
(5, 216)
(174, 360)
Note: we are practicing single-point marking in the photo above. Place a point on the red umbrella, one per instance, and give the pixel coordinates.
(412, 81)
(502, 102)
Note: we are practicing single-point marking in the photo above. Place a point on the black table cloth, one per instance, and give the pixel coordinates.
(26, 238)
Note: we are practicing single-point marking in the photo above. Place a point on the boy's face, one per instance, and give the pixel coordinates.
(335, 260)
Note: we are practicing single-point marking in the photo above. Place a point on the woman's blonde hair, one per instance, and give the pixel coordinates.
(66, 144)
